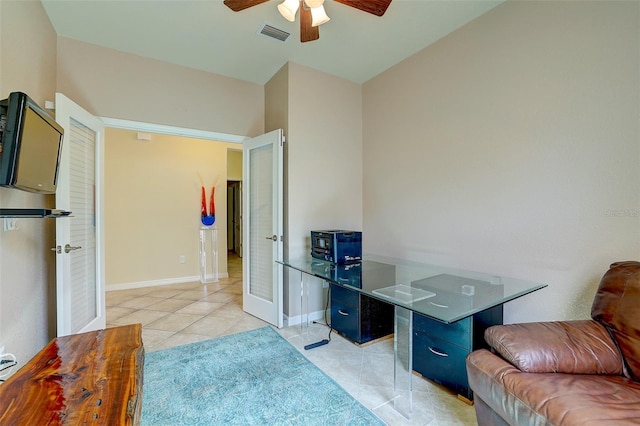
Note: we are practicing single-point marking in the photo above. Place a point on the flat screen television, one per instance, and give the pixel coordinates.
(30, 145)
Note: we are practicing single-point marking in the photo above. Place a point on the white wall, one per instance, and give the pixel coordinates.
(512, 147)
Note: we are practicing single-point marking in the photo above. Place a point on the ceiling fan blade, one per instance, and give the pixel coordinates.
(307, 32)
(238, 5)
(376, 7)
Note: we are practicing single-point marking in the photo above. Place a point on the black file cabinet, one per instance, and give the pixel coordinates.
(440, 350)
(358, 317)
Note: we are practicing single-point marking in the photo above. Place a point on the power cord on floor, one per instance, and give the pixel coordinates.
(326, 323)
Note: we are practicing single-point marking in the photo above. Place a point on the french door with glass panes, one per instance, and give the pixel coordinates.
(263, 226)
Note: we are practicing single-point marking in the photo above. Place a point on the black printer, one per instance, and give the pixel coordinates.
(337, 246)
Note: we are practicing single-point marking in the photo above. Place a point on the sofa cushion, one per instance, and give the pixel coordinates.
(576, 347)
(552, 398)
(616, 306)
(574, 399)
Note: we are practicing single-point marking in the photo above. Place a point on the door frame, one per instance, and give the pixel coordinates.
(140, 126)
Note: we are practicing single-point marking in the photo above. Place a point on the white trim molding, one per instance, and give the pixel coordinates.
(171, 130)
(153, 283)
(297, 319)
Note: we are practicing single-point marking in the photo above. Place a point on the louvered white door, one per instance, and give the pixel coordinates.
(263, 227)
(79, 264)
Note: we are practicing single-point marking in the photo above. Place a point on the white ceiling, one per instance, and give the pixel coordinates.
(206, 35)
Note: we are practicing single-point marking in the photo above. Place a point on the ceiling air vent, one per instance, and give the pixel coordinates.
(273, 32)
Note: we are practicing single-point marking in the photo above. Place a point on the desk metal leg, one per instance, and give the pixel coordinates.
(403, 361)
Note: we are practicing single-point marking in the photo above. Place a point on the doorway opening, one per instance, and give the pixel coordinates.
(166, 180)
(234, 217)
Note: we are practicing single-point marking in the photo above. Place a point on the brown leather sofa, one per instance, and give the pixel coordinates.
(583, 372)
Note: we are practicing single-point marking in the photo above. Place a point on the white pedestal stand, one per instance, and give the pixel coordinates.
(208, 254)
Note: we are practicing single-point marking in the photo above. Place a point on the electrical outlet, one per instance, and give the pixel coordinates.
(181, 259)
(10, 224)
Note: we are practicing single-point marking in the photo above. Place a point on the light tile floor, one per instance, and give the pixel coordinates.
(178, 314)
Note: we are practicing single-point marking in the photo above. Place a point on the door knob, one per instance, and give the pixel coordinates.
(68, 248)
(273, 238)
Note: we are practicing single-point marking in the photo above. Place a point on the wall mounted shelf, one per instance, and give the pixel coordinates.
(34, 213)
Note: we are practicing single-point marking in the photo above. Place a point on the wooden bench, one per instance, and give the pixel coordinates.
(89, 378)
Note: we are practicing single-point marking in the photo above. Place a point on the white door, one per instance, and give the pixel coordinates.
(263, 227)
(79, 259)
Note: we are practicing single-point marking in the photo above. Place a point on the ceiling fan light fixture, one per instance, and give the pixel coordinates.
(318, 16)
(311, 4)
(288, 9)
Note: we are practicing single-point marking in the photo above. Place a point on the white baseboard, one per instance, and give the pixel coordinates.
(297, 319)
(153, 283)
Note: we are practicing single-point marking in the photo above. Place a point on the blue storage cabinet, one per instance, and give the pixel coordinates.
(358, 317)
(440, 350)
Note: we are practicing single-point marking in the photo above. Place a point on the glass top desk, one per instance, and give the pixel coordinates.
(443, 294)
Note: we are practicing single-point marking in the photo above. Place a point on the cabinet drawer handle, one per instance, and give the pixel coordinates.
(438, 305)
(343, 313)
(437, 352)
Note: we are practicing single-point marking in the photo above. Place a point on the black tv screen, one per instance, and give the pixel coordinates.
(30, 145)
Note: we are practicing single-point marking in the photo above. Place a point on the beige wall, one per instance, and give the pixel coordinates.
(512, 147)
(276, 111)
(324, 162)
(136, 89)
(325, 155)
(152, 206)
(27, 267)
(114, 84)
(234, 163)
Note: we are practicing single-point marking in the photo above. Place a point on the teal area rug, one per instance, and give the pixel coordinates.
(250, 378)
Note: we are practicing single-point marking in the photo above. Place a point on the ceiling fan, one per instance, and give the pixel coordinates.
(312, 13)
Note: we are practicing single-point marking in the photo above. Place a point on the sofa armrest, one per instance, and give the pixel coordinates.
(496, 404)
(574, 347)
